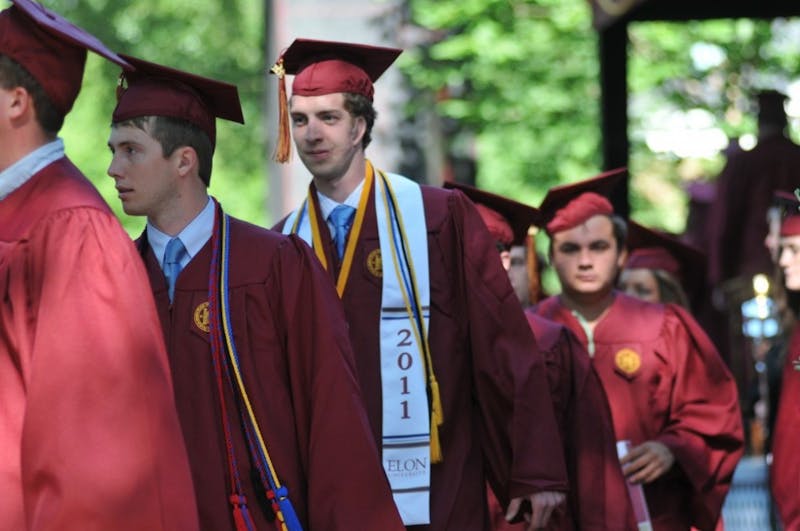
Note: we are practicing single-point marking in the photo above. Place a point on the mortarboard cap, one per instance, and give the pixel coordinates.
(50, 48)
(507, 220)
(790, 225)
(157, 90)
(651, 249)
(326, 67)
(567, 206)
(771, 106)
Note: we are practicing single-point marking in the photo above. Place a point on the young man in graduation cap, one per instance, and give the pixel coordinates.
(456, 390)
(737, 219)
(670, 393)
(598, 495)
(89, 436)
(785, 470)
(263, 370)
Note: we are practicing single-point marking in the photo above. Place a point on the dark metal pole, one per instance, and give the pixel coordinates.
(613, 47)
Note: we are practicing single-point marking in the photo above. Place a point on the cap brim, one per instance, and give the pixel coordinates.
(519, 215)
(559, 196)
(693, 261)
(786, 200)
(220, 97)
(374, 60)
(60, 27)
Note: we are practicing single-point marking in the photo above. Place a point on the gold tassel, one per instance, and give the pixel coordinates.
(283, 148)
(532, 263)
(121, 85)
(437, 418)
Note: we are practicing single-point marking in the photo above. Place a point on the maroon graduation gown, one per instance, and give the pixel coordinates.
(738, 216)
(498, 417)
(89, 436)
(665, 381)
(298, 369)
(598, 496)
(785, 473)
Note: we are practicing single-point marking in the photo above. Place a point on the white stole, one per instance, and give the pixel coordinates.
(406, 439)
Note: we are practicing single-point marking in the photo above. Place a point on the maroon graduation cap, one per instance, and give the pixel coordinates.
(790, 203)
(326, 67)
(50, 48)
(158, 90)
(507, 220)
(568, 205)
(652, 249)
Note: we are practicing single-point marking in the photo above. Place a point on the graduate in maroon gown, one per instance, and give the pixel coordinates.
(738, 215)
(445, 358)
(89, 435)
(670, 393)
(785, 470)
(661, 268)
(598, 496)
(264, 378)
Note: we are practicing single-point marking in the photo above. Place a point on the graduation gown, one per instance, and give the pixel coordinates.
(598, 496)
(498, 418)
(297, 367)
(738, 215)
(785, 470)
(665, 381)
(89, 436)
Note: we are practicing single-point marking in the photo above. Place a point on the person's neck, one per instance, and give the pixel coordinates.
(173, 218)
(592, 307)
(340, 188)
(21, 143)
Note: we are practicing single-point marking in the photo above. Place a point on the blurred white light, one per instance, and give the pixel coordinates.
(685, 134)
(706, 56)
(748, 141)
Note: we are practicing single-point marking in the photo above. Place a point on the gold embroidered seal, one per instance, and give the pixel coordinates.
(628, 361)
(374, 263)
(201, 317)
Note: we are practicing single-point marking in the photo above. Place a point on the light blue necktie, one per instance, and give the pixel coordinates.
(172, 263)
(340, 218)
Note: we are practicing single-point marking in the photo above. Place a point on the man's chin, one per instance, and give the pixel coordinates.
(132, 210)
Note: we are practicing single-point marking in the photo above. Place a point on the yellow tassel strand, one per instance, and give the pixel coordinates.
(283, 148)
(437, 417)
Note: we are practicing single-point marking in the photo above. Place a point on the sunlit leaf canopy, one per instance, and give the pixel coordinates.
(522, 80)
(519, 79)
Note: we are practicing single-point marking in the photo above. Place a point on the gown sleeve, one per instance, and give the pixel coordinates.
(785, 473)
(705, 429)
(347, 488)
(101, 444)
(522, 447)
(592, 452)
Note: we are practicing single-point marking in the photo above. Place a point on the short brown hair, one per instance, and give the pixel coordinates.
(361, 106)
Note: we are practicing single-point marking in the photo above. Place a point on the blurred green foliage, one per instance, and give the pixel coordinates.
(521, 78)
(223, 39)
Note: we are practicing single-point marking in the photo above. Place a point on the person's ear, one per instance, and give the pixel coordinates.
(186, 160)
(358, 130)
(18, 103)
(622, 258)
